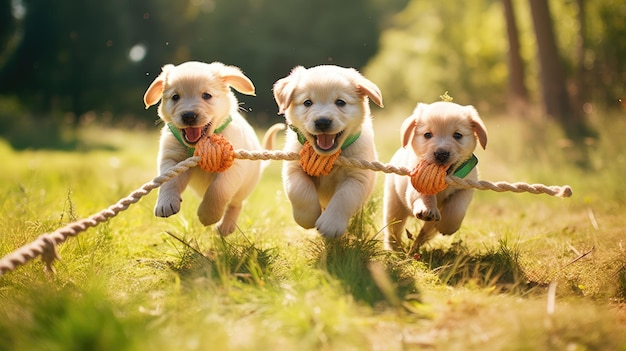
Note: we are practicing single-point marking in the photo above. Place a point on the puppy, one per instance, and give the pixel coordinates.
(196, 99)
(328, 106)
(442, 133)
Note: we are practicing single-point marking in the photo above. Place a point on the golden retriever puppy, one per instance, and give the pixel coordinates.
(328, 106)
(442, 133)
(196, 99)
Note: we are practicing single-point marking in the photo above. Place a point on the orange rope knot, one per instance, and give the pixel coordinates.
(429, 178)
(216, 153)
(314, 164)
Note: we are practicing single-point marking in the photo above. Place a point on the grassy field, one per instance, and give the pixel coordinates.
(143, 283)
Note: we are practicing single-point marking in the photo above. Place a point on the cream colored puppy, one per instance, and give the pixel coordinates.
(442, 133)
(328, 106)
(196, 99)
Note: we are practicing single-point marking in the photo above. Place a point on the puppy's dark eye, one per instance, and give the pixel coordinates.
(206, 96)
(175, 97)
(340, 103)
(307, 103)
(457, 136)
(428, 135)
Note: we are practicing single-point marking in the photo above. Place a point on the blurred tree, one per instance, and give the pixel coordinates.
(78, 56)
(437, 46)
(72, 59)
(440, 46)
(556, 99)
(267, 38)
(580, 95)
(518, 100)
(606, 50)
(7, 25)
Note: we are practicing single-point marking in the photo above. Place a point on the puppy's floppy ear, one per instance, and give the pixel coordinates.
(233, 76)
(367, 87)
(155, 90)
(477, 124)
(407, 130)
(284, 87)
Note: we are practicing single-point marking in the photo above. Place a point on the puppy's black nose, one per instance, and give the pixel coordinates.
(441, 156)
(323, 124)
(189, 117)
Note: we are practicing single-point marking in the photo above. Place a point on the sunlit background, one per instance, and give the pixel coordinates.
(68, 61)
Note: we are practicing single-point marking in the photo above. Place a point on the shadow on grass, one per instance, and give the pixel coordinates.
(497, 267)
(226, 260)
(621, 282)
(366, 271)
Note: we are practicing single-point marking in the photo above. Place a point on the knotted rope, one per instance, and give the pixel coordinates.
(517, 187)
(45, 244)
(213, 156)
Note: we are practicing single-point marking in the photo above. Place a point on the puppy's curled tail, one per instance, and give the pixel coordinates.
(269, 139)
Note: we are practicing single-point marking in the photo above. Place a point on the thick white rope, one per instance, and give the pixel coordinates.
(45, 244)
(518, 187)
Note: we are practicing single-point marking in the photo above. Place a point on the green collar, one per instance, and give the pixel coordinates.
(463, 170)
(190, 150)
(302, 139)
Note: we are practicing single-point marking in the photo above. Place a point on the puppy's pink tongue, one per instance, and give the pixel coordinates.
(192, 135)
(326, 141)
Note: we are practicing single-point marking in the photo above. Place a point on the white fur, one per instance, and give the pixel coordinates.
(341, 96)
(431, 129)
(222, 193)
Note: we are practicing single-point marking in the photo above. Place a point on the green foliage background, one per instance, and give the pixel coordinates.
(445, 46)
(60, 60)
(76, 58)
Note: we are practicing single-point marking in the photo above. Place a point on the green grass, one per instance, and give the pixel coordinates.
(138, 282)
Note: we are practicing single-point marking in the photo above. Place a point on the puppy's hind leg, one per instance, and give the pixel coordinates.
(395, 215)
(228, 224)
(214, 202)
(453, 211)
(393, 232)
(211, 209)
(427, 232)
(302, 194)
(229, 193)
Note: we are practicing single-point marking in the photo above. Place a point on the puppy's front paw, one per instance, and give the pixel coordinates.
(329, 226)
(166, 207)
(428, 214)
(226, 227)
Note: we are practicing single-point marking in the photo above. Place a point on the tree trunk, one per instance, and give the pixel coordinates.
(581, 93)
(517, 91)
(552, 75)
